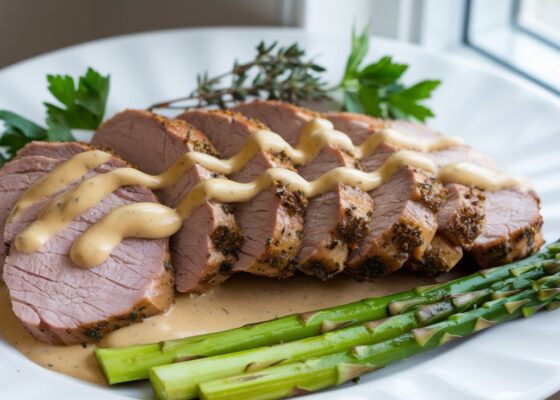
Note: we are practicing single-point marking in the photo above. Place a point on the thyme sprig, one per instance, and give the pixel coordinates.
(276, 73)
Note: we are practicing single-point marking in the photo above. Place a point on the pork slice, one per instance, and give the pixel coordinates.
(418, 210)
(15, 177)
(205, 248)
(512, 228)
(461, 218)
(497, 227)
(18, 174)
(439, 257)
(403, 224)
(55, 151)
(61, 303)
(285, 119)
(272, 221)
(360, 127)
(335, 221)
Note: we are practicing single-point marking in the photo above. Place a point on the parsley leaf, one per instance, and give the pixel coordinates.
(81, 106)
(18, 131)
(84, 103)
(376, 88)
(357, 54)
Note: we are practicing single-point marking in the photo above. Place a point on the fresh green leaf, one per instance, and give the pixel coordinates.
(18, 131)
(93, 90)
(376, 89)
(369, 99)
(402, 108)
(352, 102)
(13, 139)
(62, 88)
(58, 129)
(26, 127)
(82, 107)
(84, 102)
(421, 90)
(383, 72)
(59, 134)
(360, 45)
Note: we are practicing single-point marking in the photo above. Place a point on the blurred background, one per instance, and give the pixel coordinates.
(522, 35)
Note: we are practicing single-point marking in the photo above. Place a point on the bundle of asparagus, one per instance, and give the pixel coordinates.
(327, 347)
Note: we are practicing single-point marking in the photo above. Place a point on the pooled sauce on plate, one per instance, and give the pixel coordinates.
(241, 300)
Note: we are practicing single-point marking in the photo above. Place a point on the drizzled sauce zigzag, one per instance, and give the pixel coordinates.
(150, 220)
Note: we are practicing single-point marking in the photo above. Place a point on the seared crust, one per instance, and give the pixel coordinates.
(440, 257)
(522, 236)
(273, 252)
(226, 238)
(461, 219)
(459, 211)
(401, 236)
(147, 307)
(354, 210)
(335, 221)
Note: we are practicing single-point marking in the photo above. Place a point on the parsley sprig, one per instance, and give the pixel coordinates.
(376, 88)
(81, 105)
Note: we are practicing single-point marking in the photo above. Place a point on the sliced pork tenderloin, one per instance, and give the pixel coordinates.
(512, 229)
(335, 221)
(59, 302)
(402, 220)
(470, 218)
(460, 217)
(206, 247)
(271, 222)
(497, 227)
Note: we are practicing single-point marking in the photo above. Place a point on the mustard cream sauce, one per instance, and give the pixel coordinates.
(157, 221)
(241, 300)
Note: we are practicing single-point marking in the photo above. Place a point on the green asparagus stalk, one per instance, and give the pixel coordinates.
(132, 363)
(333, 369)
(181, 380)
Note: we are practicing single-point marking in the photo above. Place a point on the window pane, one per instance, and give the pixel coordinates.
(541, 17)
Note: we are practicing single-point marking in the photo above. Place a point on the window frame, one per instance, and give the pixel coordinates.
(503, 22)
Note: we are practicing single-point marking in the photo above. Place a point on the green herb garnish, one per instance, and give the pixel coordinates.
(283, 73)
(376, 90)
(81, 106)
(277, 73)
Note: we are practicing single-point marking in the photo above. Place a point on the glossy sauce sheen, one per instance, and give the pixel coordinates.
(241, 300)
(150, 220)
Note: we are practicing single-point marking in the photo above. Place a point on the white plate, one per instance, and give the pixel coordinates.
(514, 121)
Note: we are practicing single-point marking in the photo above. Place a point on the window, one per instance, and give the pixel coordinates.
(521, 34)
(540, 18)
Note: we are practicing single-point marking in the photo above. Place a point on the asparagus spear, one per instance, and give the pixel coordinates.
(132, 363)
(333, 369)
(181, 380)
